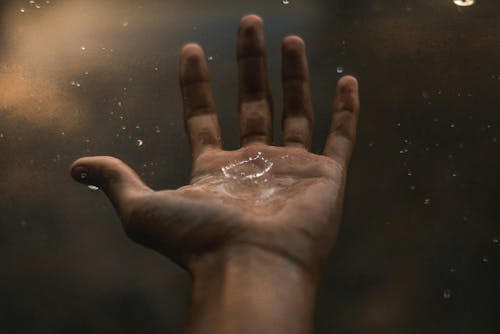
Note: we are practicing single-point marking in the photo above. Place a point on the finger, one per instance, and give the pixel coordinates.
(200, 115)
(342, 136)
(118, 181)
(254, 94)
(298, 114)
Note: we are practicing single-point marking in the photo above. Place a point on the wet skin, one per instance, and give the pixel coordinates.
(262, 217)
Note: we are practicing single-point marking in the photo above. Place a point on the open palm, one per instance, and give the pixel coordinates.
(283, 200)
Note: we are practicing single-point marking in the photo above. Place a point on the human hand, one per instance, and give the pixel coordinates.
(285, 200)
(281, 201)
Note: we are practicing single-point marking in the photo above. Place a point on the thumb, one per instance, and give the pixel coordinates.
(118, 181)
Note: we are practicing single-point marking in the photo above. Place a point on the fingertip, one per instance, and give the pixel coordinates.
(293, 44)
(191, 48)
(348, 83)
(250, 22)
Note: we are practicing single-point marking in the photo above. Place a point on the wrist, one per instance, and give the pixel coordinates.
(250, 290)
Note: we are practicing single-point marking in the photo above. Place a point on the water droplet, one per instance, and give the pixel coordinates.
(32, 1)
(452, 125)
(485, 259)
(340, 69)
(22, 10)
(427, 201)
(83, 175)
(210, 58)
(91, 187)
(412, 187)
(140, 142)
(251, 169)
(452, 270)
(124, 127)
(496, 241)
(454, 174)
(125, 24)
(446, 293)
(464, 3)
(83, 48)
(426, 95)
(37, 6)
(285, 2)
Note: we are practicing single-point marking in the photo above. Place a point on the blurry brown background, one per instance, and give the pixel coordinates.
(419, 250)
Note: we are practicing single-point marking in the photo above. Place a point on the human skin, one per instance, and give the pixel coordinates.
(255, 226)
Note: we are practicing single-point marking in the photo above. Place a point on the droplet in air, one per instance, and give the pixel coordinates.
(285, 2)
(125, 24)
(340, 69)
(485, 259)
(83, 48)
(446, 293)
(124, 127)
(210, 58)
(452, 125)
(84, 175)
(427, 201)
(22, 10)
(91, 187)
(140, 142)
(464, 3)
(37, 6)
(496, 241)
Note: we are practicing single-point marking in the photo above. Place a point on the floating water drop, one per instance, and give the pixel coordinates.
(285, 2)
(485, 259)
(37, 6)
(464, 3)
(496, 241)
(210, 58)
(83, 48)
(427, 201)
(340, 69)
(91, 187)
(446, 293)
(83, 175)
(140, 142)
(22, 10)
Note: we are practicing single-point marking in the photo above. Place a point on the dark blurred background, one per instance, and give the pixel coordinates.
(419, 250)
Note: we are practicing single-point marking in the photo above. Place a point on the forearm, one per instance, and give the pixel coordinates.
(253, 292)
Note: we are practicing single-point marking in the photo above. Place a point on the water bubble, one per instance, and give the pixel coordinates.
(22, 10)
(427, 201)
(452, 125)
(210, 58)
(124, 127)
(32, 1)
(285, 2)
(140, 142)
(446, 293)
(91, 187)
(37, 6)
(340, 69)
(83, 48)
